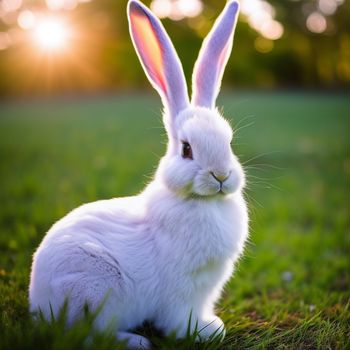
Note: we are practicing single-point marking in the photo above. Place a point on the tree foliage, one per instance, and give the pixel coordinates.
(99, 55)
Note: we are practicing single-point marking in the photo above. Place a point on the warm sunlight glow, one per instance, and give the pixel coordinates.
(51, 34)
(5, 40)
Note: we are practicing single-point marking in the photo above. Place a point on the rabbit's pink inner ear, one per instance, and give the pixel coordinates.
(223, 57)
(149, 48)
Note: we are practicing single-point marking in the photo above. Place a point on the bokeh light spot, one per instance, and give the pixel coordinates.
(70, 5)
(260, 15)
(190, 8)
(316, 23)
(272, 30)
(26, 19)
(5, 40)
(177, 9)
(328, 7)
(263, 45)
(55, 4)
(10, 5)
(162, 8)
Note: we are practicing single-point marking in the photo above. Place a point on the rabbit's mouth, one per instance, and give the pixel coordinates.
(221, 192)
(205, 184)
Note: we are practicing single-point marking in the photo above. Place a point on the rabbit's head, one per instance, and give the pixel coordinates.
(199, 161)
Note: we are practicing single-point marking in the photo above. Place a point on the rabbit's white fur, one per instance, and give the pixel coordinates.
(160, 256)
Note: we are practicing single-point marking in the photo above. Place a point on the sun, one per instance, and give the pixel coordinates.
(51, 34)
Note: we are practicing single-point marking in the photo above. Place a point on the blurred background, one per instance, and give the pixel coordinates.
(65, 46)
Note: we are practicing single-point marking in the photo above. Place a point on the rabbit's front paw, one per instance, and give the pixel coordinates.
(211, 328)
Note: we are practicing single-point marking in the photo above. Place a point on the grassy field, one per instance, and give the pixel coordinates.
(292, 288)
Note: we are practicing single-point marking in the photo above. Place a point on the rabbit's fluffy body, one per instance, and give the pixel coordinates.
(164, 255)
(158, 256)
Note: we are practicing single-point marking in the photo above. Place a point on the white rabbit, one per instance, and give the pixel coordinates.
(165, 254)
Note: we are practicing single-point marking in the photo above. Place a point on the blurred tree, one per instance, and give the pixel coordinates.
(83, 45)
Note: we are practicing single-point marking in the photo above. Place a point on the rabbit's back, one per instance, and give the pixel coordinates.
(97, 252)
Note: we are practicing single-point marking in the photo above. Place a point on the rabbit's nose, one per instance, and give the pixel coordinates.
(220, 177)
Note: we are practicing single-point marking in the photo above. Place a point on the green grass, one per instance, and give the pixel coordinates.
(292, 288)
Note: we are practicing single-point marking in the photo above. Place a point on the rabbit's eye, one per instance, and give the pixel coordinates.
(186, 150)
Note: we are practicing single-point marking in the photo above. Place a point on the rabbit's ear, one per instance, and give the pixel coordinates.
(158, 57)
(213, 56)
